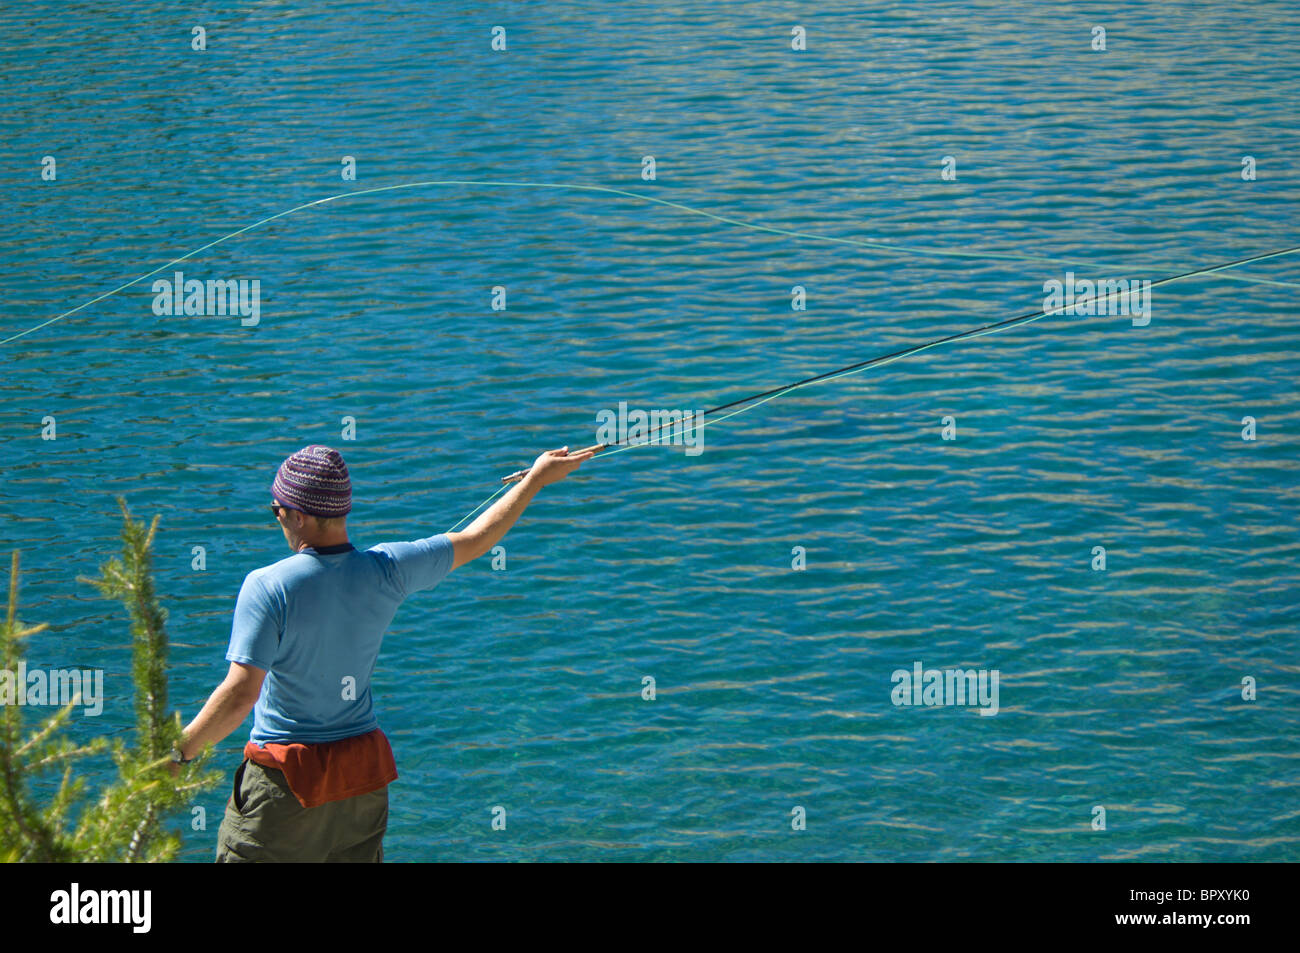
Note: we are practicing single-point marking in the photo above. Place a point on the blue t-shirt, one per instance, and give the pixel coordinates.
(315, 621)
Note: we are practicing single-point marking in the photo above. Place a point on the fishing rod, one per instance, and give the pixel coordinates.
(753, 400)
(744, 403)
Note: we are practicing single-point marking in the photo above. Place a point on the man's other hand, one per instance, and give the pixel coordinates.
(554, 465)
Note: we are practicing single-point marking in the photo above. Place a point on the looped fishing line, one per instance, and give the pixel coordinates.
(790, 233)
(754, 400)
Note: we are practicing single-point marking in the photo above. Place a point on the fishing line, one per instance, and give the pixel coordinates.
(790, 233)
(744, 404)
(754, 400)
(495, 493)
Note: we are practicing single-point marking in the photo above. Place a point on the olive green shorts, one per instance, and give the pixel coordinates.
(264, 823)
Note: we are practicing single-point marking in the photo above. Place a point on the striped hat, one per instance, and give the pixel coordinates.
(314, 480)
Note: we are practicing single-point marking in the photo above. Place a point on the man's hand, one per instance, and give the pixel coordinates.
(484, 533)
(224, 711)
(554, 465)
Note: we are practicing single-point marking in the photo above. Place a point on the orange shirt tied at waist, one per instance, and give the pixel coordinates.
(332, 770)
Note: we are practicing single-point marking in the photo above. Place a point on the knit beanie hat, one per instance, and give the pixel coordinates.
(314, 480)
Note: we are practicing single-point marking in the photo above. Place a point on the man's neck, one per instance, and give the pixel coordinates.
(324, 542)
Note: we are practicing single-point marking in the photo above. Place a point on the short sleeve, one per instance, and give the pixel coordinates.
(420, 564)
(255, 633)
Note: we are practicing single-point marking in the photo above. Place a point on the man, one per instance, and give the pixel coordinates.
(313, 785)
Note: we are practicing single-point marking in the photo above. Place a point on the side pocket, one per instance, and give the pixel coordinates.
(235, 800)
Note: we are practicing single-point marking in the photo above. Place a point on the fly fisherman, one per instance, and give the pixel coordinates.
(313, 785)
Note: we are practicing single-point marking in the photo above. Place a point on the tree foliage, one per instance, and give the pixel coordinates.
(125, 823)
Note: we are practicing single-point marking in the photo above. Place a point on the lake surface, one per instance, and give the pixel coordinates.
(522, 688)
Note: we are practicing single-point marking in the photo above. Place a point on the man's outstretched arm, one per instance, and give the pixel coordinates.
(493, 523)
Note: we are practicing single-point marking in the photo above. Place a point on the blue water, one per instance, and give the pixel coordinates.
(522, 688)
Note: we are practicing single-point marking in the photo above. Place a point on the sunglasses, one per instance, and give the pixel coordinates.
(277, 507)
